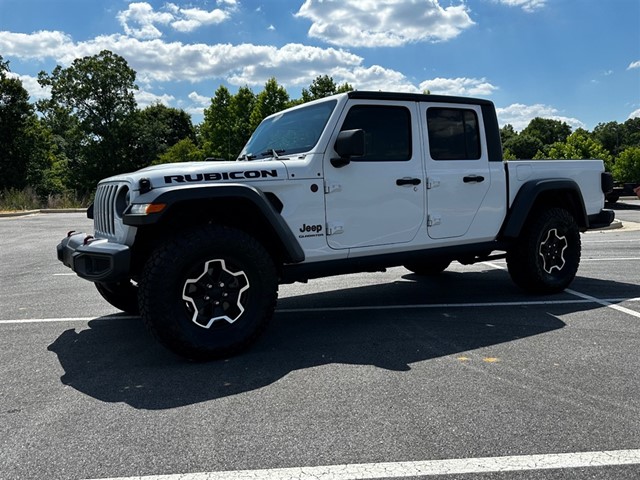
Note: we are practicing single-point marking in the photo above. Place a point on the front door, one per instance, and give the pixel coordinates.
(379, 198)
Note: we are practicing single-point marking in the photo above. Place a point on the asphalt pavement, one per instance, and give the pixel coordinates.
(373, 372)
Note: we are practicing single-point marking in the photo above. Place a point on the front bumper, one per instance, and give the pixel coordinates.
(96, 260)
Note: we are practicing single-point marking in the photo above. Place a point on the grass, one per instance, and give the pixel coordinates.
(27, 199)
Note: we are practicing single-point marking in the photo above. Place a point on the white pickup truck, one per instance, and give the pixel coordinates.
(355, 182)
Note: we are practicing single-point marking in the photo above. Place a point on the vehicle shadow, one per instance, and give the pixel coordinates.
(404, 322)
(622, 205)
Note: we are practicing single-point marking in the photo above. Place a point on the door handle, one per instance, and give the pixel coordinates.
(473, 179)
(408, 181)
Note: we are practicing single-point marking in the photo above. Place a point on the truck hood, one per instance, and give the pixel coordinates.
(204, 172)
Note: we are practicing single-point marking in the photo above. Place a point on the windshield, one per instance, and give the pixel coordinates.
(290, 132)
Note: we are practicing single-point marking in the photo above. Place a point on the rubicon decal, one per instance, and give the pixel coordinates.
(214, 176)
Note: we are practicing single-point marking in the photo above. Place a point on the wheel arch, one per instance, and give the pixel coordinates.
(541, 194)
(239, 206)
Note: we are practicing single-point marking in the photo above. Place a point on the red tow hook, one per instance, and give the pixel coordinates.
(88, 239)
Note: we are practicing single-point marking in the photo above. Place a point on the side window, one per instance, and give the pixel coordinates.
(453, 134)
(387, 131)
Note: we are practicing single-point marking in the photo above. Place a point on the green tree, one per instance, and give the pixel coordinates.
(323, 86)
(627, 166)
(548, 131)
(158, 127)
(507, 133)
(216, 128)
(242, 105)
(611, 135)
(272, 99)
(94, 98)
(580, 145)
(184, 150)
(17, 123)
(523, 146)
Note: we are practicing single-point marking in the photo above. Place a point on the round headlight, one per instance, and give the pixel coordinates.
(123, 197)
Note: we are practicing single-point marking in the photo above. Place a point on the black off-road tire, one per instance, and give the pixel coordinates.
(122, 295)
(546, 257)
(208, 293)
(428, 267)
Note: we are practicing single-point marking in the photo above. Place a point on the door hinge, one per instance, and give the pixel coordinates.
(332, 187)
(433, 182)
(433, 220)
(335, 228)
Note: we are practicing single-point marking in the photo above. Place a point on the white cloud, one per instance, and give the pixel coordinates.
(194, 18)
(383, 23)
(31, 85)
(145, 98)
(139, 20)
(143, 18)
(195, 97)
(38, 45)
(635, 114)
(633, 65)
(245, 64)
(458, 86)
(156, 60)
(519, 115)
(373, 78)
(527, 5)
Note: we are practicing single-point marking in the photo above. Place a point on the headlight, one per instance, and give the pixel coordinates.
(122, 200)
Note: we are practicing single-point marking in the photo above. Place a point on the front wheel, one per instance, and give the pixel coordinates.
(208, 293)
(545, 258)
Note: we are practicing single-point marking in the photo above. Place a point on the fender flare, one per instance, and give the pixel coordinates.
(528, 195)
(172, 198)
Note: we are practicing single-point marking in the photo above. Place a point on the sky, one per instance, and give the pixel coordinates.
(573, 60)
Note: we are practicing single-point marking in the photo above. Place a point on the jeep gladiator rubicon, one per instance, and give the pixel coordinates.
(354, 182)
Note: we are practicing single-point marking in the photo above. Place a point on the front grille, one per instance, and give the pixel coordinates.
(104, 205)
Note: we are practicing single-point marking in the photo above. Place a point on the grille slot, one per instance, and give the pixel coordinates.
(104, 210)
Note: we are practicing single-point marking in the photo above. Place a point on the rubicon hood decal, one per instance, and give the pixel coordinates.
(213, 176)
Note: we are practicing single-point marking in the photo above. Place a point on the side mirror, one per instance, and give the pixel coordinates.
(350, 143)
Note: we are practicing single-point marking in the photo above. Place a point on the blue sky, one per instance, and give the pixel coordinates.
(573, 60)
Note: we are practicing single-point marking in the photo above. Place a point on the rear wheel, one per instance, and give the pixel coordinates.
(208, 293)
(545, 258)
(122, 295)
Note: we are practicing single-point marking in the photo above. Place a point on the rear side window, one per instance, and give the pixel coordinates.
(387, 131)
(453, 134)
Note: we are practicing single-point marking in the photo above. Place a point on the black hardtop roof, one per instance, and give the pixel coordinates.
(417, 97)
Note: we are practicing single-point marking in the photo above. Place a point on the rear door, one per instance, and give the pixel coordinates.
(457, 167)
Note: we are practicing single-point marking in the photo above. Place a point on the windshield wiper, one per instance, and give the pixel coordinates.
(245, 157)
(274, 153)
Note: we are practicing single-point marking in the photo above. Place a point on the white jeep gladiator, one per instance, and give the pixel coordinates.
(355, 182)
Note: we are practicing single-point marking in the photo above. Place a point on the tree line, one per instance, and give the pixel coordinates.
(91, 127)
(617, 144)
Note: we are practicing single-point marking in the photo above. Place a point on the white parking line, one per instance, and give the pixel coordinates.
(68, 319)
(607, 302)
(420, 468)
(604, 302)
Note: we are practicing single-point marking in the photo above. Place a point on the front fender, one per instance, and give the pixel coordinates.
(174, 197)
